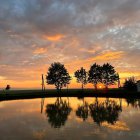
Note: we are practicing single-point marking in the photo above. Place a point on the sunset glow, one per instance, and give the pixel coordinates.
(100, 87)
(76, 33)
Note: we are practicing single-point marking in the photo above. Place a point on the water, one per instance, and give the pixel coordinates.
(70, 119)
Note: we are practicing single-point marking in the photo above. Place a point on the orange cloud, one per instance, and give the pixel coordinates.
(56, 37)
(40, 51)
(109, 55)
(106, 56)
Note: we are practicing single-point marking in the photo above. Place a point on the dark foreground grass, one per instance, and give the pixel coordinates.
(29, 94)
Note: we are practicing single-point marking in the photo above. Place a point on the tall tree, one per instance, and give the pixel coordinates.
(81, 76)
(108, 75)
(94, 75)
(58, 75)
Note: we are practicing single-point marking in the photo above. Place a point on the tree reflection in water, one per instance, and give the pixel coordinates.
(42, 104)
(58, 113)
(107, 111)
(83, 111)
(133, 102)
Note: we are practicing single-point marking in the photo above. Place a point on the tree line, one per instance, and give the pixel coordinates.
(59, 76)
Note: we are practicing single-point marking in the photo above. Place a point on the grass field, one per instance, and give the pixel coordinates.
(26, 94)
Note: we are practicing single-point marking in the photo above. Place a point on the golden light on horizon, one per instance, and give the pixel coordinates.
(100, 86)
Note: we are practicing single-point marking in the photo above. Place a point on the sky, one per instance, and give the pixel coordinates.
(36, 33)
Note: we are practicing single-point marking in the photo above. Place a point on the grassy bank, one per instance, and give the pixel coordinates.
(27, 94)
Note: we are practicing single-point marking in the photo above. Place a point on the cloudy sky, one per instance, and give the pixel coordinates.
(36, 33)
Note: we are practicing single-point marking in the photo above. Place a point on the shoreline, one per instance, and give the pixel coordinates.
(31, 94)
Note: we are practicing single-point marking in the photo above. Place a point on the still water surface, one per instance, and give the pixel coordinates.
(70, 119)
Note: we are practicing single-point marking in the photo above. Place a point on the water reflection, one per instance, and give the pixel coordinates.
(92, 118)
(135, 103)
(42, 104)
(100, 112)
(58, 112)
(107, 111)
(83, 111)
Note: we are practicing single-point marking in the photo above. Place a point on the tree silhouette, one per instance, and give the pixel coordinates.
(58, 113)
(57, 75)
(8, 87)
(94, 75)
(130, 84)
(81, 76)
(108, 75)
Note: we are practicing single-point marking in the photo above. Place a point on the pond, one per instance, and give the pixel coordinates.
(70, 119)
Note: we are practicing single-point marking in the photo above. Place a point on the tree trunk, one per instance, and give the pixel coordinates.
(97, 103)
(60, 89)
(120, 103)
(95, 86)
(57, 89)
(67, 88)
(43, 83)
(106, 86)
(82, 87)
(119, 84)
